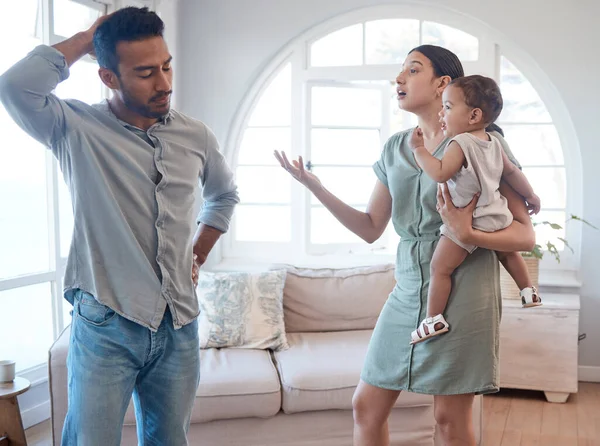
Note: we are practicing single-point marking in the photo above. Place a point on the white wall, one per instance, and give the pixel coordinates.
(224, 45)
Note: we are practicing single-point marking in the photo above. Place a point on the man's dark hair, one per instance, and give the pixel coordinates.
(483, 93)
(125, 25)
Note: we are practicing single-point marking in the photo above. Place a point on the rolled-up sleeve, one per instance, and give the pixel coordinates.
(26, 93)
(219, 190)
(380, 166)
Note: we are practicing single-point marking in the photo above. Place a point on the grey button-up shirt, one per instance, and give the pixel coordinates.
(132, 240)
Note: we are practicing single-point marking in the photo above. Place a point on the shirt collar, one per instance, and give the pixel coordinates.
(105, 108)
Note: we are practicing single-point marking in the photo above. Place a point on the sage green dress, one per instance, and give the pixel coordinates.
(464, 360)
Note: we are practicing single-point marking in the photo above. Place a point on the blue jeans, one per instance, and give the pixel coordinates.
(110, 358)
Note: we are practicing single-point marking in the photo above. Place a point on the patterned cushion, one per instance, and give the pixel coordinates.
(242, 310)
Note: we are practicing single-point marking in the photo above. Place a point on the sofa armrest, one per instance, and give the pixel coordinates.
(57, 380)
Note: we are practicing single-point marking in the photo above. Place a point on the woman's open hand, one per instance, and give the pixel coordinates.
(296, 169)
(458, 220)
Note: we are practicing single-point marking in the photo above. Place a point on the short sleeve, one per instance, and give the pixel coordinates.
(380, 167)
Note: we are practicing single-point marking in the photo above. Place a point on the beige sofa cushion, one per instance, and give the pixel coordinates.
(335, 299)
(320, 371)
(234, 383)
(242, 310)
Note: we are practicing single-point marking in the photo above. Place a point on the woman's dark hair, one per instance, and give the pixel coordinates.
(125, 25)
(483, 93)
(444, 62)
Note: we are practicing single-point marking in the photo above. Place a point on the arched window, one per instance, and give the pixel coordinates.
(330, 97)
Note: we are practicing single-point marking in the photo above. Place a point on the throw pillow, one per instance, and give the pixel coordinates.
(242, 310)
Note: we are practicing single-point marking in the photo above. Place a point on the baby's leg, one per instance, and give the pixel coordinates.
(447, 257)
(517, 268)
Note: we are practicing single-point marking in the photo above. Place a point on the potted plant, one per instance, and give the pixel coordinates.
(532, 258)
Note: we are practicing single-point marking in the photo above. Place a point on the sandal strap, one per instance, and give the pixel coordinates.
(430, 323)
(527, 295)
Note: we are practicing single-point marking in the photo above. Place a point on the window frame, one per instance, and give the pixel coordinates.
(492, 45)
(57, 263)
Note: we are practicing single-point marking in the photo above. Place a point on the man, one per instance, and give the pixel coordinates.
(132, 166)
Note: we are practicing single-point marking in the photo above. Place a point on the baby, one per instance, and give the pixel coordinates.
(473, 162)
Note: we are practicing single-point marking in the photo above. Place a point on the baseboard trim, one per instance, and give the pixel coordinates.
(36, 414)
(589, 373)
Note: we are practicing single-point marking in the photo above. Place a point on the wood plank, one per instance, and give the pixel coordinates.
(511, 438)
(496, 411)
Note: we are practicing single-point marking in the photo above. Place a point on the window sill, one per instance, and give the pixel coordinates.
(36, 375)
(559, 279)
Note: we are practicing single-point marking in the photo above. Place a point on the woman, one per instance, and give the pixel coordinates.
(465, 363)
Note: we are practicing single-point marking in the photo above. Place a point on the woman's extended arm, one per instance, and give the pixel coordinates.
(367, 225)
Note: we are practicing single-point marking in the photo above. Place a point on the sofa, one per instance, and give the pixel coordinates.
(298, 396)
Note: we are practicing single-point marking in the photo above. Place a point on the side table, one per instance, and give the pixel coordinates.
(11, 425)
(539, 346)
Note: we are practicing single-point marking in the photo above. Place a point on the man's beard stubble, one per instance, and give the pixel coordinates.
(144, 109)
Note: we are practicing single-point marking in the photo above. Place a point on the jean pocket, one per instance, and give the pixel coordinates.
(92, 311)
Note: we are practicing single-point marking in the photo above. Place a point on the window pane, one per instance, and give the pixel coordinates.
(83, 83)
(71, 18)
(263, 184)
(263, 223)
(325, 228)
(24, 216)
(274, 107)
(545, 233)
(65, 212)
(340, 48)
(26, 328)
(464, 45)
(536, 145)
(258, 144)
(19, 27)
(353, 185)
(67, 308)
(23, 219)
(389, 41)
(521, 101)
(344, 106)
(340, 146)
(549, 184)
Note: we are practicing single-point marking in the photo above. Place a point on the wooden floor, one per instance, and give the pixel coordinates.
(39, 435)
(511, 418)
(524, 418)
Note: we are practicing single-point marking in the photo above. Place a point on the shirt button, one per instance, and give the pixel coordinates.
(159, 224)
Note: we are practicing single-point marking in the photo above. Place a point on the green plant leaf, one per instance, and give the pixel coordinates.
(547, 223)
(537, 252)
(552, 250)
(575, 217)
(566, 244)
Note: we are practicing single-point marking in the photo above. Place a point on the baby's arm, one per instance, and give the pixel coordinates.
(438, 170)
(517, 179)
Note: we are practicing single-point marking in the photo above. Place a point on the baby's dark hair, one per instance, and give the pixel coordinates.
(483, 93)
